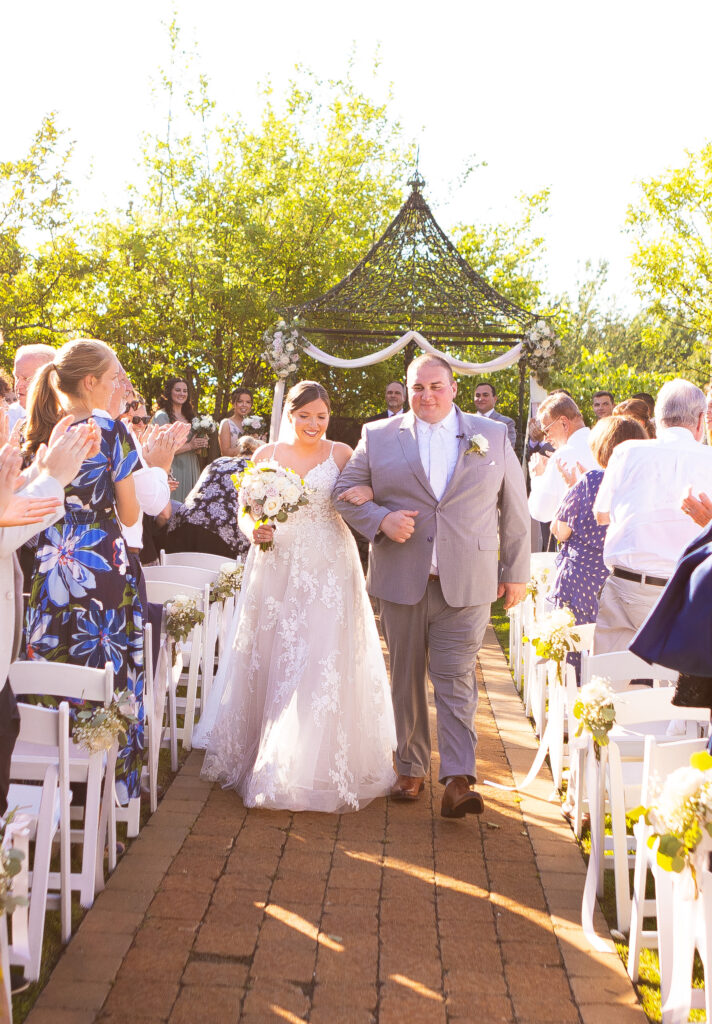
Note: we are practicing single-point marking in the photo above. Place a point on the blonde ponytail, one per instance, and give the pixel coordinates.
(72, 363)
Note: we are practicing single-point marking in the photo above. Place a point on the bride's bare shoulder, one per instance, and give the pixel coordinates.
(342, 453)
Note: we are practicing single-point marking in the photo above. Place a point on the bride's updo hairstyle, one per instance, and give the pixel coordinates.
(303, 393)
(72, 363)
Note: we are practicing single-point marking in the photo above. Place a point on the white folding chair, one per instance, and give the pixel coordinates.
(6, 992)
(44, 813)
(198, 559)
(619, 667)
(153, 717)
(659, 761)
(97, 823)
(190, 656)
(638, 713)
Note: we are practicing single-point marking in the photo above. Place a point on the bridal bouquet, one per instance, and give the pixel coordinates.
(96, 728)
(203, 426)
(681, 816)
(555, 637)
(270, 493)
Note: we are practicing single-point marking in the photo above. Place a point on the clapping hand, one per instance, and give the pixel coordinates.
(698, 509)
(162, 444)
(570, 475)
(4, 425)
(62, 457)
(538, 464)
(15, 509)
(357, 495)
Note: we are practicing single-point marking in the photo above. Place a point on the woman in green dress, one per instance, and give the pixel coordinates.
(174, 405)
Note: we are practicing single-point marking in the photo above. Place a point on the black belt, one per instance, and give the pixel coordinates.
(133, 551)
(433, 576)
(640, 577)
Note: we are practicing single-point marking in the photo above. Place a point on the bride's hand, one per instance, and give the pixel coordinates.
(263, 534)
(357, 495)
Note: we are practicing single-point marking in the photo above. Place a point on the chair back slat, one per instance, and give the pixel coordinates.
(55, 679)
(198, 559)
(191, 575)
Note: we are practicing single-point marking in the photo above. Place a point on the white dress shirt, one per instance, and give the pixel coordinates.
(15, 412)
(549, 488)
(438, 445)
(641, 491)
(152, 493)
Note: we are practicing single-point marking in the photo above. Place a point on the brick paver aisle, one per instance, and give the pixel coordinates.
(392, 915)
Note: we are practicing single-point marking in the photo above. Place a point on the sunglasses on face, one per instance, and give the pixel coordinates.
(140, 419)
(133, 405)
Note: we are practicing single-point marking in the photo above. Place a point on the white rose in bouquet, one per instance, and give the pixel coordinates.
(271, 506)
(270, 493)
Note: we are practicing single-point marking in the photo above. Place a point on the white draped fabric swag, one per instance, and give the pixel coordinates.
(498, 363)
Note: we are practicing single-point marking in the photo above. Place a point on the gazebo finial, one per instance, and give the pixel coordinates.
(417, 181)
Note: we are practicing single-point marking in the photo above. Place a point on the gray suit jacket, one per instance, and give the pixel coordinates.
(11, 538)
(483, 510)
(508, 422)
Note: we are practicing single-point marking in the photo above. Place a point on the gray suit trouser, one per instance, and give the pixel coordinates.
(623, 607)
(431, 637)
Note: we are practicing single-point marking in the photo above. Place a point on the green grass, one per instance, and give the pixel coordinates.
(500, 623)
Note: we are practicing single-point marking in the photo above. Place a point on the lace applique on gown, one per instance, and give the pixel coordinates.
(305, 720)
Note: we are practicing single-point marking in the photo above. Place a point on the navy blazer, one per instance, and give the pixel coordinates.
(677, 632)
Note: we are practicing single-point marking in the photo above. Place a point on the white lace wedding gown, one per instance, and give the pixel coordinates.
(305, 719)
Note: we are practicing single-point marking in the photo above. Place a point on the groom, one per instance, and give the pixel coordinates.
(444, 504)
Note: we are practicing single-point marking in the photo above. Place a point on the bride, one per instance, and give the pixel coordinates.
(305, 720)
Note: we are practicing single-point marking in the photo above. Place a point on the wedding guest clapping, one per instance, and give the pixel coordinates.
(580, 569)
(640, 498)
(84, 606)
(563, 426)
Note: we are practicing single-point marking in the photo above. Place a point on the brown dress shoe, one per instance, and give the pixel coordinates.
(408, 787)
(459, 799)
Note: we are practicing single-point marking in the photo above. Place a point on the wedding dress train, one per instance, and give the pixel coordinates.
(301, 716)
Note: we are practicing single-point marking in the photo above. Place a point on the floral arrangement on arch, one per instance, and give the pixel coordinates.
(96, 728)
(555, 636)
(595, 712)
(227, 583)
(540, 344)
(283, 345)
(681, 816)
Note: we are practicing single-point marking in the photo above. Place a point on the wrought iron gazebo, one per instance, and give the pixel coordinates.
(413, 288)
(414, 279)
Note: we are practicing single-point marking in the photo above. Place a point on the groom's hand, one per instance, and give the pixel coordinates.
(513, 593)
(399, 526)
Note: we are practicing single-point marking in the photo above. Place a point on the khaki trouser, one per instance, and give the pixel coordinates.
(623, 607)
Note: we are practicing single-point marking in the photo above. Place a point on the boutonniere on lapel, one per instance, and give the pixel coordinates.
(477, 445)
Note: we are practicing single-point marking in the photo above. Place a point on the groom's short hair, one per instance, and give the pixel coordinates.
(427, 357)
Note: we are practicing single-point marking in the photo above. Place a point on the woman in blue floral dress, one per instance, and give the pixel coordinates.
(84, 606)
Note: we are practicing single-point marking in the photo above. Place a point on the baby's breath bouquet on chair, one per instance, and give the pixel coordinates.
(97, 728)
(555, 636)
(595, 712)
(181, 615)
(227, 583)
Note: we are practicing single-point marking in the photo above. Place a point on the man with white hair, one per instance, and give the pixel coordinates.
(640, 500)
(28, 360)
